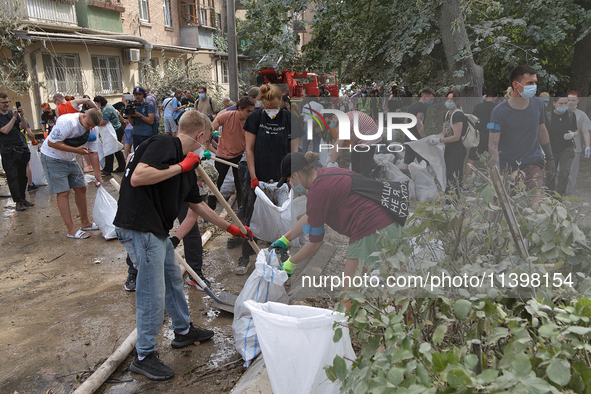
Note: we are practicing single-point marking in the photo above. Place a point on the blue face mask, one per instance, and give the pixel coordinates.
(333, 125)
(561, 109)
(201, 95)
(430, 102)
(364, 95)
(546, 103)
(529, 91)
(573, 107)
(297, 188)
(450, 105)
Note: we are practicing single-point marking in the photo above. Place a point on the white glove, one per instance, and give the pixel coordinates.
(569, 136)
(587, 152)
(434, 141)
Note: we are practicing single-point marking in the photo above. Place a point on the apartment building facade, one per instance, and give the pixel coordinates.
(78, 47)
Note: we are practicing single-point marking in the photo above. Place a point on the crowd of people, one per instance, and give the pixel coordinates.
(267, 136)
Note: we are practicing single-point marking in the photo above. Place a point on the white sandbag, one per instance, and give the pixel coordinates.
(433, 154)
(425, 187)
(378, 158)
(37, 174)
(297, 343)
(103, 214)
(109, 143)
(323, 154)
(269, 220)
(263, 285)
(228, 187)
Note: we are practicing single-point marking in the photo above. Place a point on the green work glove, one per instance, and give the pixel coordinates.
(215, 134)
(289, 267)
(550, 168)
(207, 154)
(281, 244)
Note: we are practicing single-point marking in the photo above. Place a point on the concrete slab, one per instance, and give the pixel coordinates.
(255, 380)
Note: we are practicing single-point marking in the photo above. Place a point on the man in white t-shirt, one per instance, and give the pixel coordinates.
(70, 136)
(583, 125)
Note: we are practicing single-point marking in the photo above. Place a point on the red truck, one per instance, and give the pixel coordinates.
(298, 83)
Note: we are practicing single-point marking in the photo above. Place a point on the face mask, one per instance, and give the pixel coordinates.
(200, 150)
(364, 95)
(545, 103)
(333, 125)
(430, 102)
(529, 91)
(272, 113)
(561, 109)
(202, 95)
(297, 188)
(450, 105)
(573, 107)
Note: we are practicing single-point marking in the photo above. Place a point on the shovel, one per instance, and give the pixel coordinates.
(229, 304)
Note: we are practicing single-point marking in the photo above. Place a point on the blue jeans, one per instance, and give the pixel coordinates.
(159, 286)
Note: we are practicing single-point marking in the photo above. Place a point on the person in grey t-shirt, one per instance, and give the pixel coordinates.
(517, 130)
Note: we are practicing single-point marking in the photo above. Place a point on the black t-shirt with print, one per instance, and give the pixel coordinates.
(273, 141)
(558, 126)
(14, 136)
(153, 208)
(49, 120)
(185, 101)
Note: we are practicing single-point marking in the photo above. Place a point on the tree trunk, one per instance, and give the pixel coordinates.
(580, 69)
(463, 70)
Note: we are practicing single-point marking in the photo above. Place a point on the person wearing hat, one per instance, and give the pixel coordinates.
(143, 118)
(344, 200)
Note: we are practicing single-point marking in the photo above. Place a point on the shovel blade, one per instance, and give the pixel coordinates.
(226, 298)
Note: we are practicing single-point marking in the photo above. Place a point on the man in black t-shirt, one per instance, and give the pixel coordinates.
(418, 109)
(14, 150)
(159, 177)
(482, 111)
(562, 128)
(187, 100)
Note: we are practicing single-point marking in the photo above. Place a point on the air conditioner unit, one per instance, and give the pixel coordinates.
(131, 55)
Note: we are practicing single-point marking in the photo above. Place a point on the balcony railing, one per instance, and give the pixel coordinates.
(48, 12)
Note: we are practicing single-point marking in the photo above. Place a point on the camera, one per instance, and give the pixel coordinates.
(129, 109)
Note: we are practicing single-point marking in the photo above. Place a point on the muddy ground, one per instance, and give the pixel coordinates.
(64, 309)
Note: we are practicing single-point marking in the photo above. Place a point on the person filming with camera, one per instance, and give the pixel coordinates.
(141, 115)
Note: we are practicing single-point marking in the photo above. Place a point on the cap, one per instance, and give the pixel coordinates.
(291, 163)
(254, 91)
(544, 95)
(139, 89)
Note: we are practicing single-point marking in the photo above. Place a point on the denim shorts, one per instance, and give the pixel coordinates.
(62, 175)
(128, 136)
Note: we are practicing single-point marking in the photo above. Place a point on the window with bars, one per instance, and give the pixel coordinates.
(62, 74)
(167, 18)
(225, 72)
(107, 74)
(143, 6)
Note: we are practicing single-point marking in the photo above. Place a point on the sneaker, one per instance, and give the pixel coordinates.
(194, 335)
(20, 206)
(28, 203)
(192, 282)
(151, 367)
(130, 282)
(243, 265)
(32, 187)
(234, 242)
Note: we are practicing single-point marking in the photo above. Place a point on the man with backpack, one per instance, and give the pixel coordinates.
(482, 111)
(205, 104)
(172, 112)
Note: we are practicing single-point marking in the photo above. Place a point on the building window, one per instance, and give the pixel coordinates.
(225, 72)
(143, 6)
(107, 74)
(204, 18)
(62, 74)
(167, 18)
